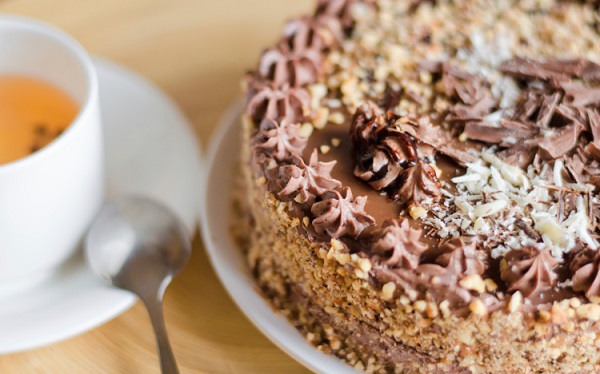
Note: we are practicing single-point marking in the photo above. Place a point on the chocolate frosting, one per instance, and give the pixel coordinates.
(399, 245)
(530, 271)
(419, 183)
(338, 214)
(322, 32)
(281, 140)
(310, 181)
(461, 258)
(266, 100)
(342, 9)
(388, 159)
(586, 272)
(456, 260)
(296, 65)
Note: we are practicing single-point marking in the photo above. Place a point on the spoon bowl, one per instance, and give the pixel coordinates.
(139, 245)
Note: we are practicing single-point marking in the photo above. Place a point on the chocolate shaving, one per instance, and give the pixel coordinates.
(575, 167)
(560, 142)
(555, 118)
(452, 150)
(435, 136)
(391, 99)
(594, 123)
(566, 114)
(550, 69)
(529, 231)
(521, 154)
(591, 71)
(580, 96)
(483, 131)
(474, 97)
(548, 108)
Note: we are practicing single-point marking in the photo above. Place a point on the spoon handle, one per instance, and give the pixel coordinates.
(168, 365)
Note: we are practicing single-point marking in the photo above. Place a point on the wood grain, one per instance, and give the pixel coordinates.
(196, 51)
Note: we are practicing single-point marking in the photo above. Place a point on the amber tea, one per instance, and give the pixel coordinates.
(32, 114)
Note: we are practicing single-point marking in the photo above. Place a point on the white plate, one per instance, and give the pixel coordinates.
(228, 261)
(151, 150)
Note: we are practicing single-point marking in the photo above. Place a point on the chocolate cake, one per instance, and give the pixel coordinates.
(419, 187)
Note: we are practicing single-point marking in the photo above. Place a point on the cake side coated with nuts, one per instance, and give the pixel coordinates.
(458, 125)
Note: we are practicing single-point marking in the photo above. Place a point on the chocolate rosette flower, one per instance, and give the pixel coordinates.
(586, 272)
(310, 180)
(280, 140)
(388, 159)
(266, 100)
(339, 214)
(418, 183)
(529, 270)
(399, 245)
(460, 258)
(295, 63)
(320, 33)
(342, 9)
(455, 261)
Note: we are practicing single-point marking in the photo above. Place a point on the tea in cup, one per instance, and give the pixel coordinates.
(32, 114)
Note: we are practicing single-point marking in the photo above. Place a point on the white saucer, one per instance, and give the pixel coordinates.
(228, 261)
(151, 150)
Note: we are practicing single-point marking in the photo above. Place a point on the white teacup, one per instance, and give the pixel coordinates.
(48, 199)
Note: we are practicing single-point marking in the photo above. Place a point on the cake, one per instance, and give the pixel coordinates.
(419, 183)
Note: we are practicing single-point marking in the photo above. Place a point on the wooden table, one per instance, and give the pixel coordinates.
(196, 51)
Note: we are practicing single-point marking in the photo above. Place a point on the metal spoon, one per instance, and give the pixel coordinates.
(139, 245)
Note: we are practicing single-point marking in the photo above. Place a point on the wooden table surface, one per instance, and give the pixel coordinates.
(196, 51)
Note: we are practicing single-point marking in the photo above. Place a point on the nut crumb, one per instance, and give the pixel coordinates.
(336, 244)
(420, 306)
(417, 212)
(306, 130)
(387, 291)
(473, 282)
(515, 302)
(320, 118)
(337, 118)
(478, 308)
